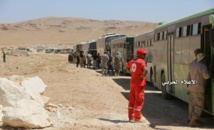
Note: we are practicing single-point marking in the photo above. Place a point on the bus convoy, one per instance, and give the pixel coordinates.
(171, 49)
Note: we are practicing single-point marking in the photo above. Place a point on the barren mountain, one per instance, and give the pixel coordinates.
(54, 30)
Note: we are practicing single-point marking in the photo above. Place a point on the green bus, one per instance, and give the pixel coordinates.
(173, 50)
(124, 45)
(104, 43)
(146, 41)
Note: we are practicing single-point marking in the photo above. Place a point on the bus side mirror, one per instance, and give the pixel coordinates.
(211, 37)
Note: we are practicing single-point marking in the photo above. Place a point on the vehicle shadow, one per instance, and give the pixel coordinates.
(114, 121)
(161, 112)
(111, 74)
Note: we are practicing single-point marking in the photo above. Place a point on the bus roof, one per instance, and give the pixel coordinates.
(209, 11)
(130, 36)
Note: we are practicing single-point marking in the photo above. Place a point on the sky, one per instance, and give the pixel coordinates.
(135, 10)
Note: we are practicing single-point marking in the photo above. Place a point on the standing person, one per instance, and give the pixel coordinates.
(117, 63)
(84, 59)
(110, 66)
(70, 57)
(81, 59)
(4, 57)
(137, 68)
(196, 52)
(95, 60)
(78, 59)
(104, 62)
(98, 60)
(89, 56)
(199, 73)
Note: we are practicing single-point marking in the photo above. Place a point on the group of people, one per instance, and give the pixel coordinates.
(110, 65)
(198, 71)
(87, 60)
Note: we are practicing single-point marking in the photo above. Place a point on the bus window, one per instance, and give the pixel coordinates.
(184, 31)
(188, 30)
(165, 32)
(195, 29)
(158, 36)
(178, 32)
(161, 33)
(199, 28)
(138, 44)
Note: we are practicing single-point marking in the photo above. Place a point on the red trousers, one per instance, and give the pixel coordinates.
(136, 101)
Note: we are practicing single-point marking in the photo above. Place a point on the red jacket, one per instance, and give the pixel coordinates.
(136, 67)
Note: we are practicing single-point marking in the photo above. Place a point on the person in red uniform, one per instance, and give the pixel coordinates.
(137, 68)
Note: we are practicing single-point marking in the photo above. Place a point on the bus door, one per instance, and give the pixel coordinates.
(208, 47)
(129, 51)
(170, 61)
(211, 40)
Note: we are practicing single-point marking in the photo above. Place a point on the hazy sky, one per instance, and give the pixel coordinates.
(137, 10)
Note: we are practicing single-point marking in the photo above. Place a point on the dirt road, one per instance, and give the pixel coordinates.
(87, 100)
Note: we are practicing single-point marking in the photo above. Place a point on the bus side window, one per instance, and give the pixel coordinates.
(199, 28)
(195, 29)
(184, 31)
(189, 28)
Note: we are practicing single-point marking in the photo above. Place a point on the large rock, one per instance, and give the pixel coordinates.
(34, 85)
(22, 107)
(11, 92)
(27, 114)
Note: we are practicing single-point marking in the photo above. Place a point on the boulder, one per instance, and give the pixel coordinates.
(11, 92)
(34, 85)
(23, 106)
(26, 113)
(30, 87)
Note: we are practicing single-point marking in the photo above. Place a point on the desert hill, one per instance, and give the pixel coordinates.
(54, 30)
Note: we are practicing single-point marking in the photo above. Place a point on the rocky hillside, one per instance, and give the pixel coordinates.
(54, 30)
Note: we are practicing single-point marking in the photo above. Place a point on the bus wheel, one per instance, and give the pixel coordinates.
(165, 95)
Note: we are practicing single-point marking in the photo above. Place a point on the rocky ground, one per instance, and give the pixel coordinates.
(86, 100)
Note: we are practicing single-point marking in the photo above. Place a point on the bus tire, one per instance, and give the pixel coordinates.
(165, 95)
